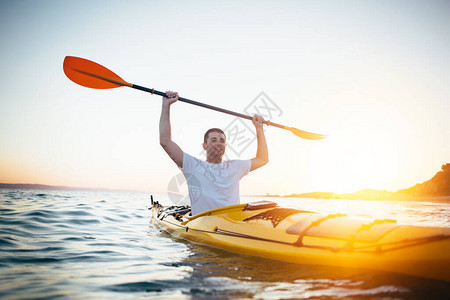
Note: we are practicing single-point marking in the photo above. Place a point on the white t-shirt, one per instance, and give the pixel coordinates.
(213, 185)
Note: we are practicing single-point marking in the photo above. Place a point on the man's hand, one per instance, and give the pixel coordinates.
(172, 97)
(257, 120)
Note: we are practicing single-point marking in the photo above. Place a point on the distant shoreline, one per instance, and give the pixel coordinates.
(437, 189)
(423, 198)
(318, 195)
(33, 186)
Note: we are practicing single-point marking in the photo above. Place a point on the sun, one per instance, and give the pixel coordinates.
(368, 143)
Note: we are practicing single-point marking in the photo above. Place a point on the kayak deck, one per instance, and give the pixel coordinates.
(263, 229)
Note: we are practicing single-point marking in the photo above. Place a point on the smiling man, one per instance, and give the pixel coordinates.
(212, 183)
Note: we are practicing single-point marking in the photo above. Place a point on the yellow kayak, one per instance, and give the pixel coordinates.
(263, 229)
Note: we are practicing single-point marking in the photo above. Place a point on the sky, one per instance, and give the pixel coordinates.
(372, 75)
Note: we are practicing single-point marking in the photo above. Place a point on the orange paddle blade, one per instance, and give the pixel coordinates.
(90, 74)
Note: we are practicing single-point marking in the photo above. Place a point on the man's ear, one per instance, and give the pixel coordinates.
(204, 146)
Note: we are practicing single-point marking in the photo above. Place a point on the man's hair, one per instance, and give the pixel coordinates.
(205, 138)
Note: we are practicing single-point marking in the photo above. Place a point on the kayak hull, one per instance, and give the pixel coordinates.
(302, 237)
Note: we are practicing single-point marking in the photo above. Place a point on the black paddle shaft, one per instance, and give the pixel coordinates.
(153, 91)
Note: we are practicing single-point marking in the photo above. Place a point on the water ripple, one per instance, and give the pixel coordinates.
(90, 245)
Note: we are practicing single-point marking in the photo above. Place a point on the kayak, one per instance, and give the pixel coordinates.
(266, 230)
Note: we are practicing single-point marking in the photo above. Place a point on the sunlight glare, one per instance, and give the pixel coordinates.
(360, 152)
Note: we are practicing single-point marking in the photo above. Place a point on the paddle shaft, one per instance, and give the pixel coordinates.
(96, 74)
(153, 91)
(122, 82)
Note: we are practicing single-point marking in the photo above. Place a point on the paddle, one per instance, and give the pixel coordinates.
(90, 74)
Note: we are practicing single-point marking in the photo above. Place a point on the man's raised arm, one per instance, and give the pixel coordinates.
(165, 133)
(262, 153)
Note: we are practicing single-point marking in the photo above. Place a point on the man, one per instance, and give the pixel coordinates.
(212, 183)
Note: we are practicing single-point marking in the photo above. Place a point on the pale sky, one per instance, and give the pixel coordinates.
(373, 75)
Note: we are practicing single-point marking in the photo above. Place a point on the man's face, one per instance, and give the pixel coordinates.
(215, 145)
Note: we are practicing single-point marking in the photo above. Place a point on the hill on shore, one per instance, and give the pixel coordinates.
(438, 186)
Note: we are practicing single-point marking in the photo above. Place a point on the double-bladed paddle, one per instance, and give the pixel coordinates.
(90, 74)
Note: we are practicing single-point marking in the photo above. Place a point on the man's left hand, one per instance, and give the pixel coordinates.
(257, 120)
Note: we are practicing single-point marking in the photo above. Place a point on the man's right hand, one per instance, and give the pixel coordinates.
(171, 98)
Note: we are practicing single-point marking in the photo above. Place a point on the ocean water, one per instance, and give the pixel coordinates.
(101, 245)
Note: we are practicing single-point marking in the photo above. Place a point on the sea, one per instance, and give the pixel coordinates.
(102, 245)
